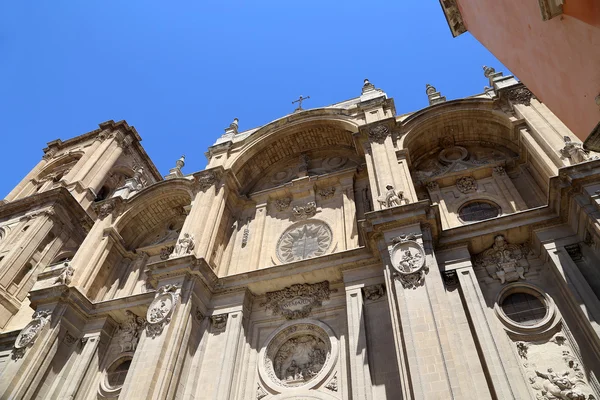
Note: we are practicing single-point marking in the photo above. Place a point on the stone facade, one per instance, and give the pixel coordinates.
(345, 252)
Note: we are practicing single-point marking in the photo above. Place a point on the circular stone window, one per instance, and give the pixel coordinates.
(305, 240)
(478, 211)
(524, 308)
(299, 355)
(115, 377)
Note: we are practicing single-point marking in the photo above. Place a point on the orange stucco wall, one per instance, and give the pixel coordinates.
(558, 60)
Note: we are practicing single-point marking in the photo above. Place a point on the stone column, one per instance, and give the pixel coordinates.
(106, 161)
(349, 209)
(386, 164)
(360, 375)
(85, 163)
(156, 364)
(80, 366)
(231, 356)
(26, 185)
(258, 229)
(407, 182)
(422, 346)
(503, 384)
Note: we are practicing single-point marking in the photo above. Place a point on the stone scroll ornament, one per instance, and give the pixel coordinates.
(304, 212)
(408, 259)
(297, 301)
(466, 184)
(29, 334)
(503, 261)
(161, 310)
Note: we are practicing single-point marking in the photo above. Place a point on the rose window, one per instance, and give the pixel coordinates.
(300, 242)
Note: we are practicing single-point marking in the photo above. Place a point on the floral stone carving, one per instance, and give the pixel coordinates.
(297, 301)
(161, 309)
(184, 246)
(327, 193)
(466, 184)
(505, 262)
(298, 356)
(30, 332)
(307, 211)
(408, 259)
(206, 180)
(374, 292)
(129, 331)
(307, 240)
(282, 204)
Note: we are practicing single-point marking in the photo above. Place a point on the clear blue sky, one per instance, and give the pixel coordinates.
(180, 71)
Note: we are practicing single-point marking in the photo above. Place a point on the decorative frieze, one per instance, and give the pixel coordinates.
(161, 309)
(30, 332)
(129, 331)
(297, 301)
(304, 212)
(392, 198)
(505, 262)
(408, 260)
(520, 95)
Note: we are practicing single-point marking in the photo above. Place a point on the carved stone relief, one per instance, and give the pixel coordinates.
(166, 252)
(129, 331)
(327, 193)
(184, 246)
(161, 309)
(218, 322)
(106, 209)
(297, 301)
(304, 212)
(298, 356)
(391, 198)
(282, 204)
(553, 371)
(466, 184)
(206, 180)
(260, 392)
(520, 95)
(505, 262)
(307, 240)
(374, 292)
(333, 384)
(408, 259)
(573, 151)
(379, 132)
(450, 278)
(30, 332)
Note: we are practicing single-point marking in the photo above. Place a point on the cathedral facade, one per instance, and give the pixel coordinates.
(338, 253)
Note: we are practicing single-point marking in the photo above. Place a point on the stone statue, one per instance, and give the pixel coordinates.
(184, 245)
(391, 198)
(130, 331)
(574, 151)
(66, 275)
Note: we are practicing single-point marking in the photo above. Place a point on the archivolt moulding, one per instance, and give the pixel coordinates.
(298, 356)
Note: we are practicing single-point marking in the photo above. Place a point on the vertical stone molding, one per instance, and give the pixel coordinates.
(360, 376)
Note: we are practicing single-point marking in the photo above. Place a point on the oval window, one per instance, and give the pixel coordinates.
(115, 377)
(478, 211)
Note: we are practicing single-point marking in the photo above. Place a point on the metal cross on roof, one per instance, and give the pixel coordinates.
(299, 101)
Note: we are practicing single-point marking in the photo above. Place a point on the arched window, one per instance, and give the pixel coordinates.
(478, 210)
(116, 374)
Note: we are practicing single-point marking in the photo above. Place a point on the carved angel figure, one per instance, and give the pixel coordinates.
(391, 198)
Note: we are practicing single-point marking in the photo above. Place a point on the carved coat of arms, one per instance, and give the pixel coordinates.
(297, 301)
(408, 259)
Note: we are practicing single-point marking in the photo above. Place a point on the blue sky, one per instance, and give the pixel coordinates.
(180, 71)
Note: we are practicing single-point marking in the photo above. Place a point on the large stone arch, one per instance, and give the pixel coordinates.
(291, 136)
(153, 206)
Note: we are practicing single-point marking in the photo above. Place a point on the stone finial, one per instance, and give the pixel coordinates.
(488, 71)
(433, 95)
(367, 86)
(180, 163)
(233, 127)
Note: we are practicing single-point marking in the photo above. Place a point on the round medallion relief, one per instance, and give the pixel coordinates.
(304, 240)
(161, 308)
(299, 355)
(407, 257)
(29, 333)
